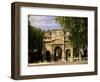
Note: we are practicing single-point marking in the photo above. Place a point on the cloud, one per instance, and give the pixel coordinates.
(44, 22)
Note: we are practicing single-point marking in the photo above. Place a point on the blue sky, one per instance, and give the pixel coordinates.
(44, 22)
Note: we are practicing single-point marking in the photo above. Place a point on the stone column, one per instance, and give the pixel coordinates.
(52, 53)
(63, 55)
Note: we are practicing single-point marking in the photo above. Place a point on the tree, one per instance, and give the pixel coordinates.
(35, 37)
(35, 43)
(77, 28)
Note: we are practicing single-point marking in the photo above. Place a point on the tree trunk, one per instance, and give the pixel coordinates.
(80, 55)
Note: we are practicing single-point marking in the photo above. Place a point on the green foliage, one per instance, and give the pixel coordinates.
(77, 28)
(35, 38)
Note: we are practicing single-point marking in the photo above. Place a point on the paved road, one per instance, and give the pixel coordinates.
(57, 63)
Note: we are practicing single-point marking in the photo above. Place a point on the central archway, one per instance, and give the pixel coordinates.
(57, 53)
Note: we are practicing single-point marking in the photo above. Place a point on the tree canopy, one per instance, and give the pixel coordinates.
(35, 43)
(77, 28)
(35, 38)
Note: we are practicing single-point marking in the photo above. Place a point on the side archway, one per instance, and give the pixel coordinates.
(48, 56)
(68, 54)
(57, 53)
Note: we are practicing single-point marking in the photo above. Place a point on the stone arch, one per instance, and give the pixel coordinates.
(57, 53)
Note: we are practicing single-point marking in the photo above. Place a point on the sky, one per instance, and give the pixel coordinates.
(44, 22)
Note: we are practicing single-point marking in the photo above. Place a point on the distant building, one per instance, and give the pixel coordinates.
(56, 42)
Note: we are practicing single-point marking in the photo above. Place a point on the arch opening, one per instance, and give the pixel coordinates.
(57, 53)
(68, 54)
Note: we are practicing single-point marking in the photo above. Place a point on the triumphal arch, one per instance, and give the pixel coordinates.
(56, 42)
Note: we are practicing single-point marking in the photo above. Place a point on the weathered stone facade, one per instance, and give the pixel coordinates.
(57, 43)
